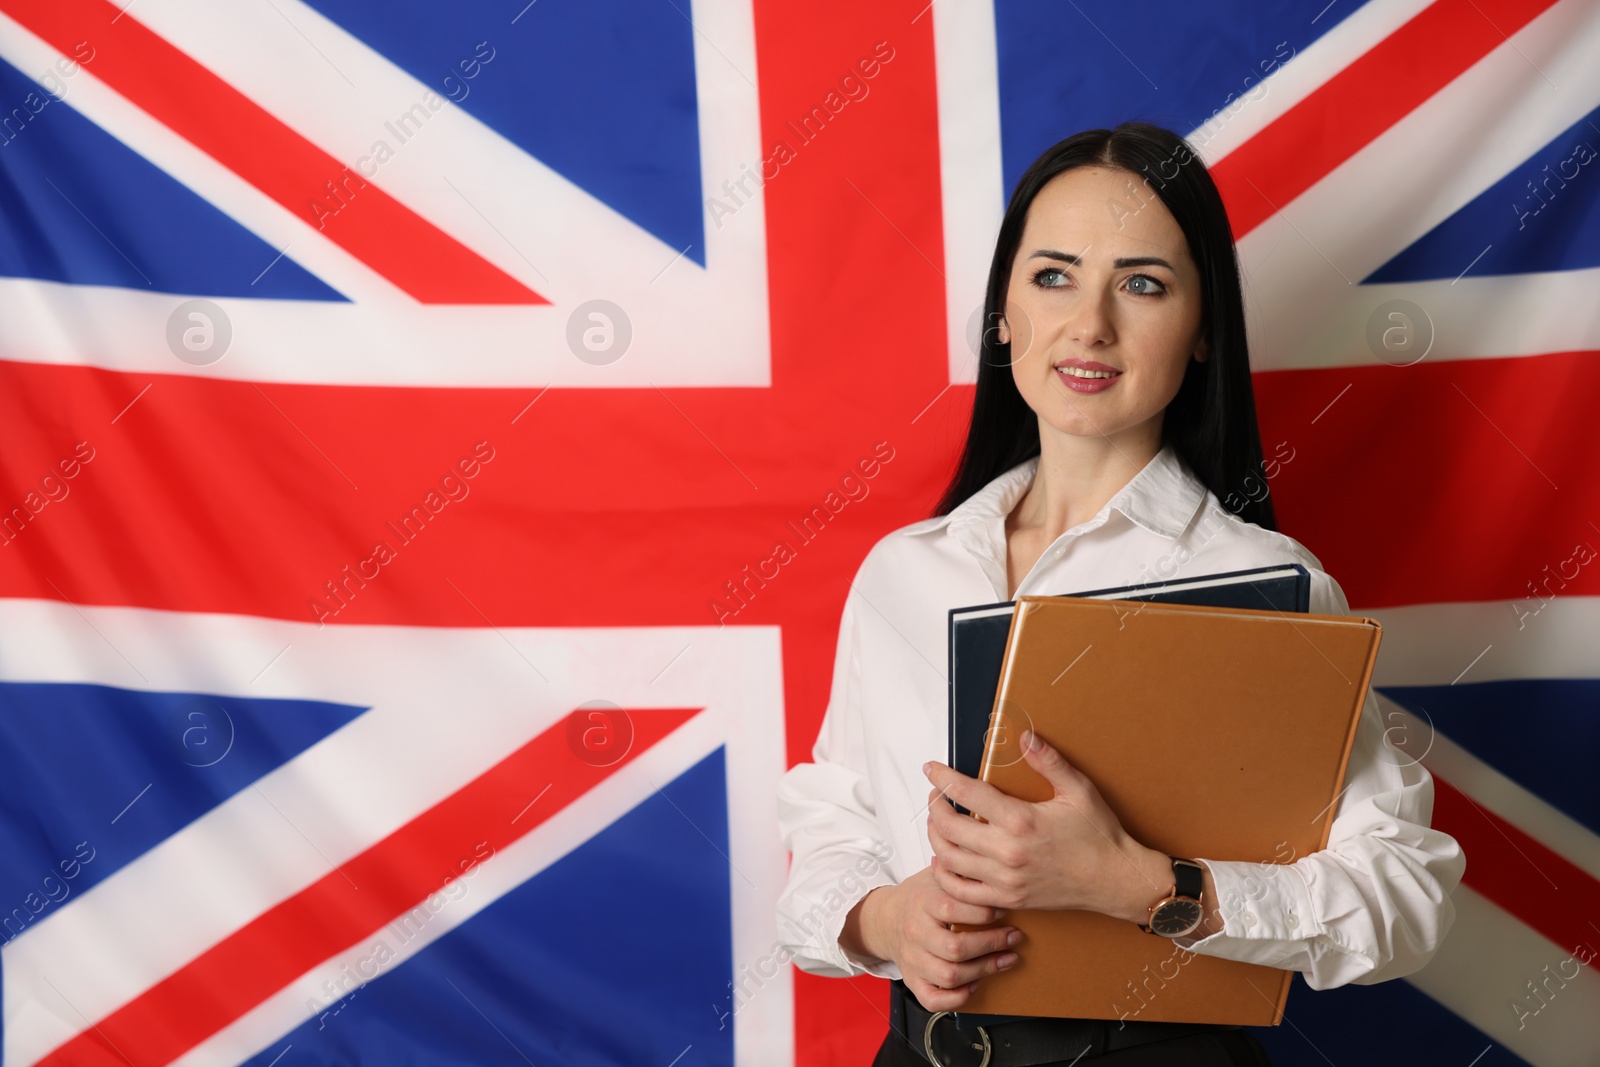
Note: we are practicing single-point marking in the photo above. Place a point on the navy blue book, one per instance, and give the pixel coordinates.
(978, 639)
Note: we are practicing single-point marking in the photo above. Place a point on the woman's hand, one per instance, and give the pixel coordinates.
(1067, 852)
(908, 923)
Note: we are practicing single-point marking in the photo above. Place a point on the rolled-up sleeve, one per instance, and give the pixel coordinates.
(828, 821)
(1375, 903)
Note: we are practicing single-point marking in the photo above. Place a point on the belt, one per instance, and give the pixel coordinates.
(1026, 1041)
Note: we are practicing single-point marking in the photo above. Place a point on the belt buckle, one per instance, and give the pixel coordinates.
(933, 1057)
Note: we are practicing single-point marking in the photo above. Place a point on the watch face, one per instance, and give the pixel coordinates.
(1174, 918)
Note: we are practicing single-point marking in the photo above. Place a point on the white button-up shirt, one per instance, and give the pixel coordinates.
(1373, 905)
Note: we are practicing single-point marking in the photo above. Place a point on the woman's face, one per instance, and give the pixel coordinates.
(1103, 308)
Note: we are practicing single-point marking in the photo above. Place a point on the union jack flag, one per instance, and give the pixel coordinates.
(432, 459)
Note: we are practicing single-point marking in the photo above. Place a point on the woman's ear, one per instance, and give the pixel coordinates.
(1201, 352)
(1002, 331)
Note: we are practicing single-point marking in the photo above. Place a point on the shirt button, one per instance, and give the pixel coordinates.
(1293, 922)
(1248, 919)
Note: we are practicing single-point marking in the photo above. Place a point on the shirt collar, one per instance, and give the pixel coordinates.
(1162, 498)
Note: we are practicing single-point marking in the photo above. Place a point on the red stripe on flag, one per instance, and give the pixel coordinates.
(1363, 100)
(224, 496)
(1411, 485)
(221, 121)
(1538, 885)
(358, 899)
(1416, 485)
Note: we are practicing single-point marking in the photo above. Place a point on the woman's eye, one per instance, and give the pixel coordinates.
(1050, 278)
(1144, 285)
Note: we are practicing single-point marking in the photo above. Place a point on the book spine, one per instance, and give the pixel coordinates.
(1362, 686)
(1003, 690)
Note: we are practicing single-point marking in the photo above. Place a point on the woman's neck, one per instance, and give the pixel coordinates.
(1077, 475)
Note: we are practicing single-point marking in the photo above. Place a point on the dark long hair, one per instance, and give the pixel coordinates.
(1211, 422)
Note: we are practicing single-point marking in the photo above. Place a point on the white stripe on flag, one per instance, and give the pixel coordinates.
(1480, 641)
(1480, 317)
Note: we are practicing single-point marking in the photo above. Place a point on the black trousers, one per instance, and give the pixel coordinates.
(1225, 1048)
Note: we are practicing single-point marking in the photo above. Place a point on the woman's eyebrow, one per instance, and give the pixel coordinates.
(1130, 261)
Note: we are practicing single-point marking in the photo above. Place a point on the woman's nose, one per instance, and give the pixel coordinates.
(1089, 319)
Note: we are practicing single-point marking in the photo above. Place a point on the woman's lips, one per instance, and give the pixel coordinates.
(1086, 376)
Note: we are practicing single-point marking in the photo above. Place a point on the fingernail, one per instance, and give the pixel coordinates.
(1005, 961)
(1013, 937)
(1027, 740)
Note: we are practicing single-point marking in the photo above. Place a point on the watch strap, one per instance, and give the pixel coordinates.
(1188, 880)
(1188, 876)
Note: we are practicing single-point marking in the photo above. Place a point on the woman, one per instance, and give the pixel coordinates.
(1113, 440)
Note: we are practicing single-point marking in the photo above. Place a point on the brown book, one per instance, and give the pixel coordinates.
(1214, 733)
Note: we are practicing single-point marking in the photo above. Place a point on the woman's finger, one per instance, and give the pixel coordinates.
(944, 976)
(941, 844)
(949, 975)
(945, 909)
(962, 946)
(933, 998)
(971, 866)
(963, 830)
(974, 794)
(964, 889)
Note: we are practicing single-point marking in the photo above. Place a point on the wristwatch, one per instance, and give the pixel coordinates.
(1180, 912)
